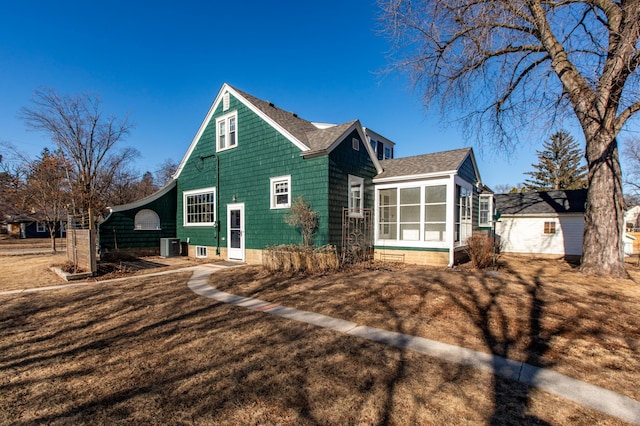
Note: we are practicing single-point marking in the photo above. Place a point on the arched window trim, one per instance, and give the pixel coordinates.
(147, 220)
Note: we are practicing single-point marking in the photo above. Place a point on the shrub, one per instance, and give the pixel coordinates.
(480, 248)
(296, 259)
(302, 217)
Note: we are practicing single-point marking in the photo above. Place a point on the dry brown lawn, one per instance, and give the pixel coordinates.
(149, 351)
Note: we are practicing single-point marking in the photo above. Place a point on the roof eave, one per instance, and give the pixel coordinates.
(421, 176)
(162, 191)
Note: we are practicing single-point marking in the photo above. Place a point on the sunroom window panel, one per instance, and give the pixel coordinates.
(410, 196)
(410, 231)
(410, 214)
(435, 213)
(435, 194)
(435, 231)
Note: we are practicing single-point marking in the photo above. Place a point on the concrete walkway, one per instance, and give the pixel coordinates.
(588, 395)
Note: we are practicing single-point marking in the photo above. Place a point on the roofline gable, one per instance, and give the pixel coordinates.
(227, 88)
(363, 138)
(475, 165)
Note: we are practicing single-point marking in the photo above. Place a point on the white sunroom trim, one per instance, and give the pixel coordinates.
(450, 199)
(416, 178)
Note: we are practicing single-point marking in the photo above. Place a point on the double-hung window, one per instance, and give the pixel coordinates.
(227, 133)
(484, 211)
(356, 196)
(199, 207)
(281, 192)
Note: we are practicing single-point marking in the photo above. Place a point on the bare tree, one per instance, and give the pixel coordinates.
(509, 64)
(631, 156)
(47, 191)
(86, 139)
(12, 182)
(165, 171)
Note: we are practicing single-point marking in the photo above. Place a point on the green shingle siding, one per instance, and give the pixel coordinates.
(467, 171)
(245, 172)
(118, 229)
(345, 161)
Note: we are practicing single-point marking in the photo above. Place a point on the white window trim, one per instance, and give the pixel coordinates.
(489, 213)
(272, 193)
(201, 252)
(356, 211)
(185, 194)
(446, 244)
(355, 144)
(41, 227)
(226, 119)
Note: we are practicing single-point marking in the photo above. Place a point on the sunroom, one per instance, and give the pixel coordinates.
(424, 215)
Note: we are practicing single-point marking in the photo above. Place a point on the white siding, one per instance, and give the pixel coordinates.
(526, 235)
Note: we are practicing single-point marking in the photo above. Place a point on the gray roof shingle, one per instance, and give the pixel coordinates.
(546, 202)
(424, 164)
(306, 132)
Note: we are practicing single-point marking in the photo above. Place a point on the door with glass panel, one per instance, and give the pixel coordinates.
(235, 231)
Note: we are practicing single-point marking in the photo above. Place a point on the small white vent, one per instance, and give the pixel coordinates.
(225, 101)
(201, 251)
(355, 144)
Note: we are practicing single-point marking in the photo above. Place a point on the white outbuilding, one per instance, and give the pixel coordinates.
(542, 223)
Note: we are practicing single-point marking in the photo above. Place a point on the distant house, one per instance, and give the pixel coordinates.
(24, 226)
(542, 223)
(250, 160)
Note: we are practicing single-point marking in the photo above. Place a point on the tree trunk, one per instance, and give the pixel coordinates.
(52, 235)
(602, 247)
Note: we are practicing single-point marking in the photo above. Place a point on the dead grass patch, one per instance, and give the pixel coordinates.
(541, 312)
(148, 351)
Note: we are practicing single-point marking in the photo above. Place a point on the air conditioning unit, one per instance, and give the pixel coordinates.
(169, 247)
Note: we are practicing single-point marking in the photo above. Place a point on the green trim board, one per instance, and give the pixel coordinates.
(431, 249)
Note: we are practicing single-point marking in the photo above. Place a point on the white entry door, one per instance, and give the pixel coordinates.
(235, 231)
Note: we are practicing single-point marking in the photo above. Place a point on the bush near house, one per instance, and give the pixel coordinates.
(300, 259)
(481, 249)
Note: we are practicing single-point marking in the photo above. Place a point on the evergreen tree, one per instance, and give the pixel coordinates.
(559, 165)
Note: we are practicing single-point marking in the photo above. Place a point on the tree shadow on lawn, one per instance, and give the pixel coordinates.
(527, 317)
(149, 351)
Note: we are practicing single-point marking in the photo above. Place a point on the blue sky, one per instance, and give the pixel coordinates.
(162, 63)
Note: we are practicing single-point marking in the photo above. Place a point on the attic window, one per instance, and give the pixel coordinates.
(225, 101)
(355, 144)
(226, 127)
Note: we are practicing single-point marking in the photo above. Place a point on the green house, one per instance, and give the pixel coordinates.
(250, 160)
